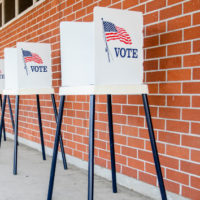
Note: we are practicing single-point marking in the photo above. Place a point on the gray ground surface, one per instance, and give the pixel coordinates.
(31, 183)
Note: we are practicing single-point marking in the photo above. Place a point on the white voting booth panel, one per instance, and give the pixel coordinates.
(28, 69)
(2, 76)
(103, 56)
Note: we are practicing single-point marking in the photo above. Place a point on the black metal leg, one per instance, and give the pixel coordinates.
(40, 127)
(16, 135)
(112, 148)
(3, 125)
(154, 148)
(61, 141)
(11, 114)
(55, 150)
(2, 116)
(91, 148)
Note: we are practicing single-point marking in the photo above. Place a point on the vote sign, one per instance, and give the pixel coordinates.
(118, 46)
(108, 51)
(2, 76)
(28, 66)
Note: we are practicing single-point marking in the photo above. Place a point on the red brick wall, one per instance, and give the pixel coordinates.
(172, 60)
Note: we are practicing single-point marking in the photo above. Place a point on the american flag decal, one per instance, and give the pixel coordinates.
(113, 32)
(28, 57)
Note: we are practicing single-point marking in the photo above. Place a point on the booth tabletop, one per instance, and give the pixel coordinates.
(28, 91)
(104, 89)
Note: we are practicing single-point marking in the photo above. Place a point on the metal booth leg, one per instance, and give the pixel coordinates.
(40, 127)
(55, 150)
(112, 148)
(16, 135)
(61, 141)
(2, 116)
(11, 114)
(91, 149)
(154, 148)
(3, 125)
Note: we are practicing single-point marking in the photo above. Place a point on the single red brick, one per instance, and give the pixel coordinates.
(104, 3)
(171, 113)
(191, 141)
(156, 28)
(179, 75)
(131, 152)
(195, 128)
(196, 18)
(135, 163)
(180, 101)
(168, 63)
(196, 45)
(169, 162)
(191, 168)
(178, 126)
(169, 137)
(191, 60)
(170, 88)
(156, 100)
(155, 76)
(170, 2)
(136, 142)
(155, 5)
(130, 110)
(150, 65)
(151, 41)
(195, 155)
(171, 37)
(129, 171)
(150, 18)
(195, 182)
(191, 88)
(192, 33)
(195, 101)
(129, 130)
(145, 155)
(171, 12)
(178, 152)
(191, 5)
(178, 176)
(127, 3)
(147, 178)
(179, 23)
(156, 52)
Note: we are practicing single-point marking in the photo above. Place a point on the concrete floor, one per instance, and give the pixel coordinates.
(31, 183)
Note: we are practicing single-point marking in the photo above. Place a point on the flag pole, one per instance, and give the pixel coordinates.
(25, 66)
(107, 50)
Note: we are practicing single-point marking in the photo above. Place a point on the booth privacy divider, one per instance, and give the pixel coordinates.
(104, 57)
(28, 72)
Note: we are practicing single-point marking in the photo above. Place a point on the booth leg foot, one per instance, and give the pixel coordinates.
(55, 150)
(16, 135)
(2, 116)
(61, 141)
(112, 148)
(40, 127)
(3, 125)
(154, 147)
(91, 148)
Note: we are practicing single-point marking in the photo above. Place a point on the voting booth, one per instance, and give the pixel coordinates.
(28, 71)
(105, 54)
(103, 57)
